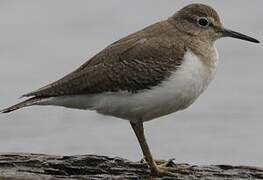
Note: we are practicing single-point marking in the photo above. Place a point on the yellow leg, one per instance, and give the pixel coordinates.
(139, 131)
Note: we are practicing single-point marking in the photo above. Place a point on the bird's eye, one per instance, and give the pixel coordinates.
(203, 22)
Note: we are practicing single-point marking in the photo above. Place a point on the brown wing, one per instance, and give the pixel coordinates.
(139, 61)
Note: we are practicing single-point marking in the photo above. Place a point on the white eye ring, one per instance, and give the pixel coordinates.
(203, 22)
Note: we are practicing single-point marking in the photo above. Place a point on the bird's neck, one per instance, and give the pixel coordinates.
(199, 44)
(205, 50)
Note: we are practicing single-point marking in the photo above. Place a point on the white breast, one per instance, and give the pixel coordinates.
(176, 93)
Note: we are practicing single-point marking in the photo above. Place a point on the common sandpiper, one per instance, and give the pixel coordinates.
(156, 71)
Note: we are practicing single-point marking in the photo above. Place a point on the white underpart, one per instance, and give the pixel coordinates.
(176, 93)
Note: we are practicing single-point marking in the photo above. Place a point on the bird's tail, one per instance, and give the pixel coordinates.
(28, 102)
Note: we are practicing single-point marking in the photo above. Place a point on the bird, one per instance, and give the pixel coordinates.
(148, 74)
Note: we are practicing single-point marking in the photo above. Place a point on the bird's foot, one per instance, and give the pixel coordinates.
(166, 164)
(162, 163)
(168, 168)
(161, 171)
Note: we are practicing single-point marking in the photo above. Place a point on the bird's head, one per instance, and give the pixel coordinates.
(203, 21)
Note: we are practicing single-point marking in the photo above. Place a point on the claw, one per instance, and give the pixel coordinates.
(168, 168)
(169, 163)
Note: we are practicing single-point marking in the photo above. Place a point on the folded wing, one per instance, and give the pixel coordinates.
(137, 62)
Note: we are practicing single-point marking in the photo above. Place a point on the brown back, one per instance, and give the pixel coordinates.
(137, 62)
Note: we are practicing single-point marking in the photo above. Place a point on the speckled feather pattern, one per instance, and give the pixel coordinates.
(139, 61)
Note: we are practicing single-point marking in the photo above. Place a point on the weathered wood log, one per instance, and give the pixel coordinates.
(49, 167)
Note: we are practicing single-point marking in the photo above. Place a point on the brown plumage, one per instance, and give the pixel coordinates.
(25, 103)
(137, 62)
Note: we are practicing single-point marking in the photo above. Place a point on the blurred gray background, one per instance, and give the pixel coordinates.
(40, 41)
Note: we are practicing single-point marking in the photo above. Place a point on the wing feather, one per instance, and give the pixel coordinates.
(137, 62)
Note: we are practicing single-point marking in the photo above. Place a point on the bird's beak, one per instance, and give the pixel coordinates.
(233, 34)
